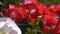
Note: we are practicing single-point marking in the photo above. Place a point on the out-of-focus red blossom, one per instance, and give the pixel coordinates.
(36, 9)
(15, 13)
(46, 29)
(49, 18)
(51, 22)
(57, 30)
(55, 9)
(31, 19)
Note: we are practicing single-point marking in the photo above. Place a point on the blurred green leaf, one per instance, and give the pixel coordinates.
(29, 29)
(49, 2)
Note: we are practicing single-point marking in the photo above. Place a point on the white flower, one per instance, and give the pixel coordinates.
(9, 26)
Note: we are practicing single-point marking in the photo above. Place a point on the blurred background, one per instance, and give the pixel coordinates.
(5, 3)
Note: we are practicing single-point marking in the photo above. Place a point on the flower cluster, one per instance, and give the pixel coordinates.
(31, 10)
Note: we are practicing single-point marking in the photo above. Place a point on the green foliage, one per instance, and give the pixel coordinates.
(7, 2)
(49, 2)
